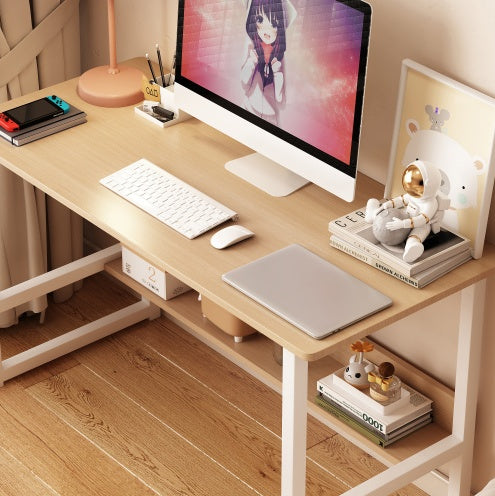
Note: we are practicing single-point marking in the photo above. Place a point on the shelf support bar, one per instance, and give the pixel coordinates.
(294, 423)
(57, 278)
(466, 384)
(77, 338)
(409, 469)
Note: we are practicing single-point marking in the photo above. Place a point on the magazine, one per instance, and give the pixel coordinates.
(419, 280)
(353, 229)
(357, 424)
(383, 419)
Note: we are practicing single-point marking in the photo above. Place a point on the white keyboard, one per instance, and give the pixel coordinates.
(167, 198)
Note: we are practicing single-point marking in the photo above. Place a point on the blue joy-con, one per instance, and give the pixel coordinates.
(59, 102)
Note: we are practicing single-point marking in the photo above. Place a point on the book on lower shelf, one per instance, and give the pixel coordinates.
(72, 118)
(418, 280)
(385, 423)
(356, 235)
(383, 440)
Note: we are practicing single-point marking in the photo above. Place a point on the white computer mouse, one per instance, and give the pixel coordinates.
(230, 235)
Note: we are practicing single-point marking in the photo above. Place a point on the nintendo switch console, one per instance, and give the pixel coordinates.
(33, 112)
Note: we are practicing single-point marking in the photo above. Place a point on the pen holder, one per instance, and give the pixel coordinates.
(169, 81)
(164, 96)
(167, 98)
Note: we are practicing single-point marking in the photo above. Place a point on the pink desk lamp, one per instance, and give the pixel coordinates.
(113, 85)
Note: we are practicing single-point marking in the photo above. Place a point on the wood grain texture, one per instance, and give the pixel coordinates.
(196, 153)
(16, 479)
(149, 448)
(150, 410)
(226, 379)
(54, 453)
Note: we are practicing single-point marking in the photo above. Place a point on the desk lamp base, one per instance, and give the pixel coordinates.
(107, 87)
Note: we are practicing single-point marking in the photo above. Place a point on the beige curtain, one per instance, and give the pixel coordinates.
(39, 46)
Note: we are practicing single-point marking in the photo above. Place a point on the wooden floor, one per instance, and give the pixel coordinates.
(149, 410)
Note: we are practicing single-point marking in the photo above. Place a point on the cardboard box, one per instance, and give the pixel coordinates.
(160, 282)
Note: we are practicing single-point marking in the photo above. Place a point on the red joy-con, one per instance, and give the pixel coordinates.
(7, 123)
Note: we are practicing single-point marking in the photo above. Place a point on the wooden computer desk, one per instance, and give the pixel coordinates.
(68, 167)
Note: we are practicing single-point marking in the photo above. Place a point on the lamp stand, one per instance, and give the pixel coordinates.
(113, 85)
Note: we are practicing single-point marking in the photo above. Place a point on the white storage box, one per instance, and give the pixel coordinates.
(160, 282)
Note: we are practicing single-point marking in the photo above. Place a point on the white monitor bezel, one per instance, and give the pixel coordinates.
(252, 132)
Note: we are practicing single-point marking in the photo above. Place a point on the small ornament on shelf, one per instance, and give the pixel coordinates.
(385, 387)
(356, 372)
(414, 214)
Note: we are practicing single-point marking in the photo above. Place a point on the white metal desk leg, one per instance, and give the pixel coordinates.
(466, 384)
(294, 421)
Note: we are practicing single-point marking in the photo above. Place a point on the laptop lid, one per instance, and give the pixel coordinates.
(307, 291)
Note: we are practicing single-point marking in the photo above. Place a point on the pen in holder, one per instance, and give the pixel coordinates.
(156, 94)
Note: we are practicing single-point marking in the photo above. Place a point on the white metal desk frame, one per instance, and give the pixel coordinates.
(77, 338)
(458, 447)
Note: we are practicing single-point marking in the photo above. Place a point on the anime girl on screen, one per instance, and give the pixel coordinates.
(293, 63)
(262, 73)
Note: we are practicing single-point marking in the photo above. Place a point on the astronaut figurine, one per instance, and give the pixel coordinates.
(423, 204)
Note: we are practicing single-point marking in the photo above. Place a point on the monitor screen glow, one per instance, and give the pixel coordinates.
(287, 75)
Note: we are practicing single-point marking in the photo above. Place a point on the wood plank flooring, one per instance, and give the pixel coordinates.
(150, 411)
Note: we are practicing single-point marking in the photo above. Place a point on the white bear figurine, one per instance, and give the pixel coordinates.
(458, 168)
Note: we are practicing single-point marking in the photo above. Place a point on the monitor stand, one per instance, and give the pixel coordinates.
(266, 174)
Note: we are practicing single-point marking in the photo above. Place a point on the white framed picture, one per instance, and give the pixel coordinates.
(444, 122)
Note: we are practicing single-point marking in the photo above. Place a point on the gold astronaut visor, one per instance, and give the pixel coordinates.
(412, 181)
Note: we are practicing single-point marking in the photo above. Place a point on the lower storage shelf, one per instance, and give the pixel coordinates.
(255, 355)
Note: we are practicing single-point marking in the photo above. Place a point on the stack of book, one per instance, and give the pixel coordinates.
(443, 251)
(382, 424)
(25, 135)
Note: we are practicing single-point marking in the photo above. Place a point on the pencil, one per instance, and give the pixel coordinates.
(160, 63)
(172, 71)
(151, 68)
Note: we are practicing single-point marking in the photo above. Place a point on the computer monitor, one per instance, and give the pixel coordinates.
(284, 77)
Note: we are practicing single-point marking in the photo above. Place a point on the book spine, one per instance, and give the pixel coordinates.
(350, 421)
(370, 421)
(28, 137)
(372, 250)
(374, 262)
(385, 441)
(374, 420)
(6, 135)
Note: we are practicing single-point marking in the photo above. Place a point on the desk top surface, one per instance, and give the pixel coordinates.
(69, 165)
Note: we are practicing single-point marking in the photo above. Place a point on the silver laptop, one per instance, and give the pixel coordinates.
(307, 291)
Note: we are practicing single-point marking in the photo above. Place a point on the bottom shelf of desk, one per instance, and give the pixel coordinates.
(255, 355)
